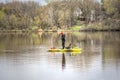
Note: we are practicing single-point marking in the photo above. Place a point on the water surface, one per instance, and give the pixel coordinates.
(25, 57)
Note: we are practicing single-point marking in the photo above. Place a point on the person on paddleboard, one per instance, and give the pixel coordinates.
(63, 39)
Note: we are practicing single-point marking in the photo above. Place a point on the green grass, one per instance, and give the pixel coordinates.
(76, 27)
(34, 27)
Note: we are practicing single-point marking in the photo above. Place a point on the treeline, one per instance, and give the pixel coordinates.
(21, 15)
(112, 10)
(67, 13)
(30, 15)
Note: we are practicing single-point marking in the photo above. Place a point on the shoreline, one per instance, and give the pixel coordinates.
(81, 30)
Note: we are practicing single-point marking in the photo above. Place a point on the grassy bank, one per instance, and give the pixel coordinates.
(98, 26)
(15, 31)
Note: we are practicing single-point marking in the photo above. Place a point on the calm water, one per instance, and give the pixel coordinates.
(25, 57)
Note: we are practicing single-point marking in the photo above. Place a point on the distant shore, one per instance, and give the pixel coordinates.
(82, 30)
(75, 28)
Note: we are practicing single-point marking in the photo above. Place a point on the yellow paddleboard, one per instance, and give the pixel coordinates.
(65, 50)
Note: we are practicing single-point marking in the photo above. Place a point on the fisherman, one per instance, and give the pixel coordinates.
(63, 39)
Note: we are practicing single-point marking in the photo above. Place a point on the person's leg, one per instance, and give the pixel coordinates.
(62, 45)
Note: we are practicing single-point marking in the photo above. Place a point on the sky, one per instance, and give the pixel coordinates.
(40, 1)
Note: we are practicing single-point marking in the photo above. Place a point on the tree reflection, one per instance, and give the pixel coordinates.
(63, 61)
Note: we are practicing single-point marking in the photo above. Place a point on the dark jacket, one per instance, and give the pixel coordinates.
(63, 37)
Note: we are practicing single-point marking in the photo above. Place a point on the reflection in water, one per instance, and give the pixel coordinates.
(25, 57)
(63, 61)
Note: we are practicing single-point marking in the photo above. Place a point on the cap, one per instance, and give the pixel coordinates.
(62, 33)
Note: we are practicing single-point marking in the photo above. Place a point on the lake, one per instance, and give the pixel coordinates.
(25, 56)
